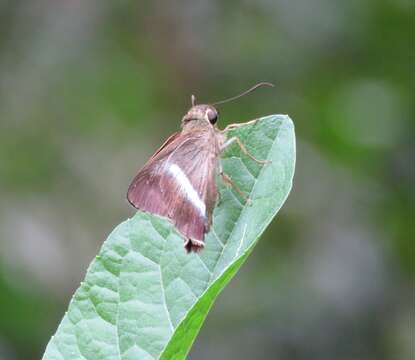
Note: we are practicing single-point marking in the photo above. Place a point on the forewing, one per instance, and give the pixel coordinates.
(179, 182)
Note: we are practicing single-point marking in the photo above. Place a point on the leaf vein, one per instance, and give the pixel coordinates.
(163, 292)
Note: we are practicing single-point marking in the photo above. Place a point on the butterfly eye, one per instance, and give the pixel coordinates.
(212, 116)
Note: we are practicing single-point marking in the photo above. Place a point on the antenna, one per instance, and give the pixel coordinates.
(261, 84)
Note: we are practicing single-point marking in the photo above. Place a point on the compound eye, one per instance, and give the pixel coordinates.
(212, 116)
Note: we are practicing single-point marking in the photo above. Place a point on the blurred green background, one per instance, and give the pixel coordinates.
(90, 89)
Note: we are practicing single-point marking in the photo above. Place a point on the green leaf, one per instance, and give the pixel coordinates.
(143, 296)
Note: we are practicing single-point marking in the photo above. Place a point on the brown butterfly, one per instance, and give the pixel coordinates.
(179, 180)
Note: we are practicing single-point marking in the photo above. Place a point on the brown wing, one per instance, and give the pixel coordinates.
(179, 182)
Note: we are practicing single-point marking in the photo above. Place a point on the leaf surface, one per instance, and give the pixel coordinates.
(143, 296)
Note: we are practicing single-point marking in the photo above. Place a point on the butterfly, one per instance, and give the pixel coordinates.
(179, 180)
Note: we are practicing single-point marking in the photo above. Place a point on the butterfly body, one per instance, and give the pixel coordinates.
(179, 180)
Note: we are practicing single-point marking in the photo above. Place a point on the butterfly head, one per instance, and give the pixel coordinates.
(201, 114)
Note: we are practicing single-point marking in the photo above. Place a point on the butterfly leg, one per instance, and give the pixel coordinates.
(235, 126)
(243, 148)
(228, 181)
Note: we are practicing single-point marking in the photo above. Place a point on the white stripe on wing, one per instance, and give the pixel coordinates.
(187, 188)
